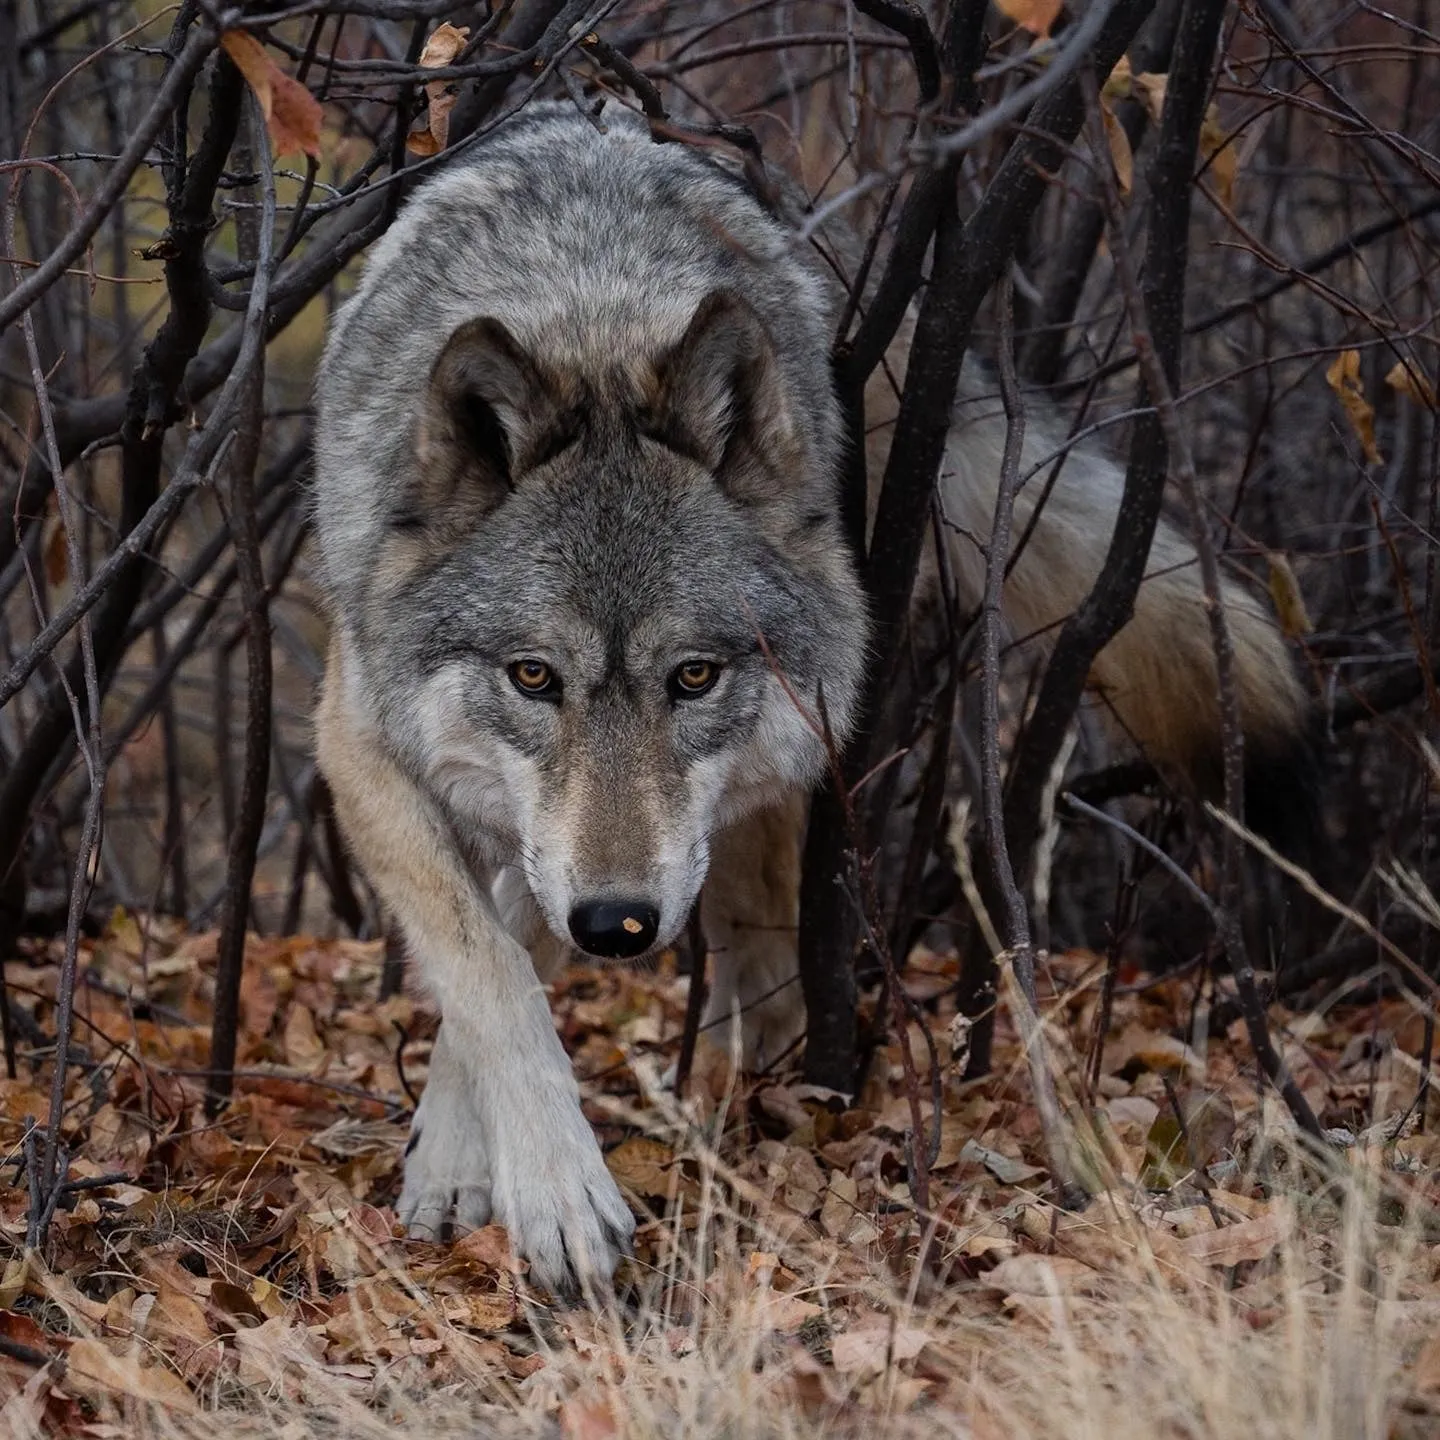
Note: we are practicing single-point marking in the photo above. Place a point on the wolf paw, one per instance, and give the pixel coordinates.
(447, 1177)
(552, 1193)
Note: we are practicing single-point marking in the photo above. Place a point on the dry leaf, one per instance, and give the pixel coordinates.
(1285, 595)
(865, 1349)
(1040, 1275)
(649, 1168)
(1249, 1240)
(444, 44)
(588, 1417)
(1149, 88)
(1121, 155)
(1002, 1167)
(1410, 381)
(1036, 16)
(1218, 152)
(292, 113)
(95, 1370)
(1343, 377)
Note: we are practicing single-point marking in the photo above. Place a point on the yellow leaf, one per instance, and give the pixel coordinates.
(1412, 383)
(1119, 83)
(1036, 16)
(292, 113)
(1120, 153)
(1218, 152)
(1343, 377)
(1285, 595)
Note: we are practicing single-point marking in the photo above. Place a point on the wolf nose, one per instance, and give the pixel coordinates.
(614, 929)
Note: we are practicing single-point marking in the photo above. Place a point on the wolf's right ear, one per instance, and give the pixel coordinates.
(489, 415)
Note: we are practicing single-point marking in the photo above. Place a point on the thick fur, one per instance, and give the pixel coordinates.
(578, 419)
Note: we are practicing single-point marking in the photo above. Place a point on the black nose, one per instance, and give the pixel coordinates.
(614, 929)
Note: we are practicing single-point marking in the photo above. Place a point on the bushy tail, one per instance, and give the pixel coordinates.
(1158, 675)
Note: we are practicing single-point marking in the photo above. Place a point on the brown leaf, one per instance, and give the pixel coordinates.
(1036, 16)
(1412, 383)
(1121, 154)
(1040, 1275)
(488, 1246)
(866, 1348)
(1222, 159)
(1150, 89)
(1343, 377)
(649, 1168)
(292, 113)
(57, 554)
(304, 1048)
(444, 44)
(1249, 1240)
(95, 1369)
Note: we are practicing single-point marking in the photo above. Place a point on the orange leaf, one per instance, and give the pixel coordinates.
(292, 113)
(1220, 156)
(1036, 16)
(1343, 377)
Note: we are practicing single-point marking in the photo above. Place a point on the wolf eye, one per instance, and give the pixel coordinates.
(693, 679)
(535, 679)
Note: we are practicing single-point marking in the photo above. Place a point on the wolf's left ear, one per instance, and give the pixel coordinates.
(722, 400)
(489, 415)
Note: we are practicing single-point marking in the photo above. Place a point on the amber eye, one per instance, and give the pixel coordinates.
(694, 678)
(534, 678)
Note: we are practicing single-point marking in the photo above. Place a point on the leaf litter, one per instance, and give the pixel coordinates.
(250, 1269)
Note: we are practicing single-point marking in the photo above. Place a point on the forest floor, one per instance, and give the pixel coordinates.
(248, 1272)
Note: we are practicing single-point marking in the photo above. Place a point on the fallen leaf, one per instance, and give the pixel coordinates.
(1249, 1240)
(868, 1348)
(1040, 1275)
(95, 1370)
(1002, 1167)
(1343, 377)
(292, 113)
(648, 1167)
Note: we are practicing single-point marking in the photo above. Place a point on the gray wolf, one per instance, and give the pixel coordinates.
(577, 452)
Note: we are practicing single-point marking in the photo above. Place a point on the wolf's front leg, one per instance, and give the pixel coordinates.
(506, 1117)
(749, 911)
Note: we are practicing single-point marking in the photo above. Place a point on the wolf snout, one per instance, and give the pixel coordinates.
(614, 929)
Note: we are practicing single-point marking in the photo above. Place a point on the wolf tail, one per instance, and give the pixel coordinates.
(1157, 676)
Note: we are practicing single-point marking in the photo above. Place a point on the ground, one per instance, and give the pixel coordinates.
(248, 1271)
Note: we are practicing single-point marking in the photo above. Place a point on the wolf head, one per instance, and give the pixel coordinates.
(609, 602)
